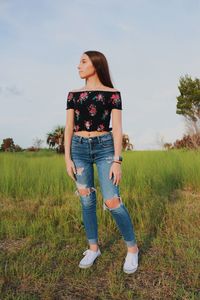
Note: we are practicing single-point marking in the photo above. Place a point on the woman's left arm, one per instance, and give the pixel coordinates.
(117, 137)
(117, 130)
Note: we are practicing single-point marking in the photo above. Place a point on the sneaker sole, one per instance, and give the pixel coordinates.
(130, 271)
(85, 266)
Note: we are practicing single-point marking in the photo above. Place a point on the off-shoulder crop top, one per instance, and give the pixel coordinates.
(92, 109)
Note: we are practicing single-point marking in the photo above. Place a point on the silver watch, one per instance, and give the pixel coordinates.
(118, 158)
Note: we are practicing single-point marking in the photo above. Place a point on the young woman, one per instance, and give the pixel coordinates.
(88, 140)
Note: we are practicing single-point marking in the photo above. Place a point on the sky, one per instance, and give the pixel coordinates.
(149, 45)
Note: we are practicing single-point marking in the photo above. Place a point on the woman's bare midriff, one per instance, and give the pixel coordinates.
(90, 134)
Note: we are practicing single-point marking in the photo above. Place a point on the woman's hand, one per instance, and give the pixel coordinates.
(71, 170)
(117, 172)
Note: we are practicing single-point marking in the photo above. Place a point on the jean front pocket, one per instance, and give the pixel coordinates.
(107, 143)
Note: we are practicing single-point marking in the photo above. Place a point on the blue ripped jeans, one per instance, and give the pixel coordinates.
(98, 150)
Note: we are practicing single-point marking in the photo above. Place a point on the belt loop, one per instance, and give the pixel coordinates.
(80, 139)
(99, 140)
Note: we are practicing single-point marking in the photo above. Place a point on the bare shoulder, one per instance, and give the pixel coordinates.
(76, 90)
(106, 88)
(110, 89)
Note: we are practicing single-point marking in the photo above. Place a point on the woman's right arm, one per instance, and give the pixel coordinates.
(67, 142)
(68, 133)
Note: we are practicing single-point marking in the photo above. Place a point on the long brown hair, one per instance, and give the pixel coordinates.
(100, 64)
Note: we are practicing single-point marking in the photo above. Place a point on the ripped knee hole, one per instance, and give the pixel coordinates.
(113, 202)
(85, 191)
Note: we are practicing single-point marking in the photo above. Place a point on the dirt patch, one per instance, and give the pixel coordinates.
(12, 245)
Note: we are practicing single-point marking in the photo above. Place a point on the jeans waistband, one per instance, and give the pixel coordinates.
(102, 137)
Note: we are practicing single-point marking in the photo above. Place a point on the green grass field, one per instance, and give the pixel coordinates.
(42, 236)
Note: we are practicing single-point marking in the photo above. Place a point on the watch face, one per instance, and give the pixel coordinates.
(118, 158)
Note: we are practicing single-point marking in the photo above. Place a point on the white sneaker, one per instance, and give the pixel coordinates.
(89, 258)
(131, 262)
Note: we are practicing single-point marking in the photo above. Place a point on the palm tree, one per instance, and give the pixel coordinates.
(59, 138)
(56, 138)
(50, 140)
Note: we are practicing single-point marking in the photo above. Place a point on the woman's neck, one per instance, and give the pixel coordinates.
(93, 83)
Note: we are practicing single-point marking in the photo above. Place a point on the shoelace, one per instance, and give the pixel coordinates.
(131, 256)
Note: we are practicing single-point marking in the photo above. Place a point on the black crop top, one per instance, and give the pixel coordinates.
(92, 109)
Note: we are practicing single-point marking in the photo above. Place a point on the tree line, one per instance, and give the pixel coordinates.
(188, 105)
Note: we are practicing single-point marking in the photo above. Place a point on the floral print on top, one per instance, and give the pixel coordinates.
(92, 109)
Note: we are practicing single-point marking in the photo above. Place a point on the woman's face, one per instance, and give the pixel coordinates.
(86, 68)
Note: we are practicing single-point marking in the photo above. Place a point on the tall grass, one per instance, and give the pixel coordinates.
(34, 175)
(148, 178)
